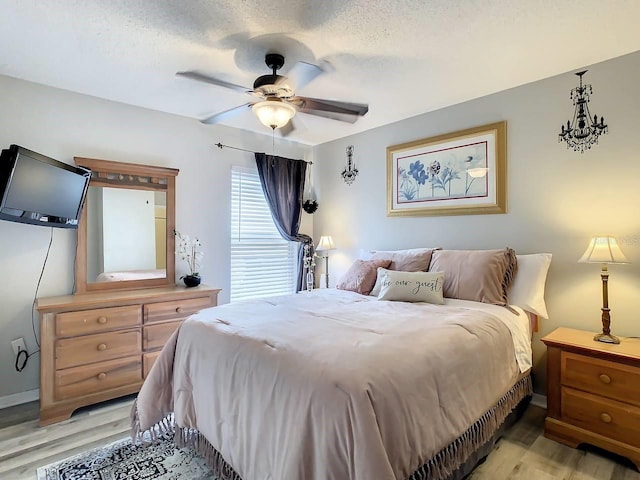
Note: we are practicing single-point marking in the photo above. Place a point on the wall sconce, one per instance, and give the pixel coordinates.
(583, 131)
(350, 171)
(604, 250)
(325, 244)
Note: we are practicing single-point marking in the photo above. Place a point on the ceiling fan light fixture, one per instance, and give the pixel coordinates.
(273, 112)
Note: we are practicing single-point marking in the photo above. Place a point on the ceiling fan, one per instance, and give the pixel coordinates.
(277, 102)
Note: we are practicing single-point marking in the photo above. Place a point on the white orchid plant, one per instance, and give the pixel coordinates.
(190, 250)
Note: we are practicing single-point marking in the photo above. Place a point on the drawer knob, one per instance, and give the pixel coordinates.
(605, 379)
(178, 309)
(605, 417)
(102, 347)
(102, 376)
(102, 320)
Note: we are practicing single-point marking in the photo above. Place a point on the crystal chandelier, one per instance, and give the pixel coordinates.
(583, 131)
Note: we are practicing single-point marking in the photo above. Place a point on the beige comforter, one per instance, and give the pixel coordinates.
(330, 384)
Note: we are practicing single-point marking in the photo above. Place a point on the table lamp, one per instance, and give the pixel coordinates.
(604, 250)
(324, 245)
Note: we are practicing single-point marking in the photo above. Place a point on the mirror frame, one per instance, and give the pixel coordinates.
(108, 173)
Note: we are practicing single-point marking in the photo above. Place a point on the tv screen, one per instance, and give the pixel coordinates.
(39, 190)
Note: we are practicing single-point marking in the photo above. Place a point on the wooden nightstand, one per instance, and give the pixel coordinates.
(593, 392)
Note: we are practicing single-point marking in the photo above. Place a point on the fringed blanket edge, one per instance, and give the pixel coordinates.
(439, 467)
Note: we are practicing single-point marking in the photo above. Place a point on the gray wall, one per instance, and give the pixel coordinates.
(62, 125)
(557, 199)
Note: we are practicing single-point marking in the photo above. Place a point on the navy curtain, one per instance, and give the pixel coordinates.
(282, 181)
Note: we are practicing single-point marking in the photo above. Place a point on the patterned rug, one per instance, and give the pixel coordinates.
(123, 461)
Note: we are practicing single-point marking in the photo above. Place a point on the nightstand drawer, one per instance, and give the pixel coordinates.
(176, 310)
(84, 322)
(85, 380)
(606, 417)
(601, 377)
(71, 352)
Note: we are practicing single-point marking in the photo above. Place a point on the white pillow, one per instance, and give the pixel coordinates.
(527, 288)
(411, 286)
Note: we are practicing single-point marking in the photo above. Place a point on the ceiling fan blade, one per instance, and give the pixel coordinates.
(300, 75)
(287, 128)
(343, 111)
(347, 108)
(332, 115)
(199, 77)
(218, 117)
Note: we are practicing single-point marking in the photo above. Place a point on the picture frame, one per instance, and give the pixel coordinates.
(458, 173)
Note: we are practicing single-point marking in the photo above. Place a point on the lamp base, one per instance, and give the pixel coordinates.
(606, 338)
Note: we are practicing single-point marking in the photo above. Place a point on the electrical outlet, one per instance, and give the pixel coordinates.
(18, 345)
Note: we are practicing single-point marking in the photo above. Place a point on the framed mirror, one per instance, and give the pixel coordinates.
(126, 231)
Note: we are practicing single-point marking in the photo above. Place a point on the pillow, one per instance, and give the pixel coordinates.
(411, 286)
(367, 254)
(361, 276)
(478, 275)
(412, 260)
(527, 289)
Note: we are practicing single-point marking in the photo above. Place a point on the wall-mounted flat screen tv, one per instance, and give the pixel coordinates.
(39, 190)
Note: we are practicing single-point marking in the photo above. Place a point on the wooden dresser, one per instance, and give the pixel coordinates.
(593, 392)
(98, 346)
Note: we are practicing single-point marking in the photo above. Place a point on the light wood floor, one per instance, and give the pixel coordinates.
(522, 454)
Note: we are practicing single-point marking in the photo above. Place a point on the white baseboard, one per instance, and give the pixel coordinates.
(539, 400)
(19, 398)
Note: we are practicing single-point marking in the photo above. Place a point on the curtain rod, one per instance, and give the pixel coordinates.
(221, 145)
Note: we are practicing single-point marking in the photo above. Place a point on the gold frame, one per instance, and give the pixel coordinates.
(499, 178)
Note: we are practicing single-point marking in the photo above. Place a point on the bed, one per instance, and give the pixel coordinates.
(334, 384)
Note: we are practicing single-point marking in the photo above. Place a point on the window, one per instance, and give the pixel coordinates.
(262, 262)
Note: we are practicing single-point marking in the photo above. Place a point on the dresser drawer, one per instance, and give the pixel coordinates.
(85, 380)
(601, 377)
(70, 352)
(148, 359)
(99, 320)
(175, 310)
(155, 336)
(610, 418)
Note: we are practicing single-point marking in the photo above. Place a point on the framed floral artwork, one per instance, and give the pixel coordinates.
(459, 173)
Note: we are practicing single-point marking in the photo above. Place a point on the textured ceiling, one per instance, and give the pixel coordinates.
(402, 57)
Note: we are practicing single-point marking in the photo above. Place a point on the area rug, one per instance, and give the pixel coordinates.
(123, 461)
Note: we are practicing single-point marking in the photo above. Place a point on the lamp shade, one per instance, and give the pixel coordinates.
(603, 250)
(325, 243)
(274, 112)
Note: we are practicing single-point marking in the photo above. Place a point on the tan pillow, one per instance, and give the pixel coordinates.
(361, 276)
(478, 275)
(413, 260)
(411, 286)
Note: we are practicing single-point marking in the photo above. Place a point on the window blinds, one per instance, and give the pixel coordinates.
(262, 262)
